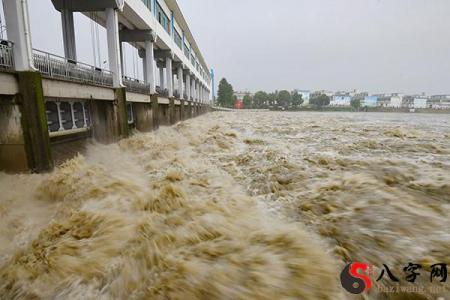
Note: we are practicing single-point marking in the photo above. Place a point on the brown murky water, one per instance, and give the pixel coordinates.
(246, 205)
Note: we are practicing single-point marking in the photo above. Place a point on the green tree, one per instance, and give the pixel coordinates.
(284, 99)
(297, 99)
(248, 101)
(225, 94)
(320, 100)
(355, 103)
(261, 99)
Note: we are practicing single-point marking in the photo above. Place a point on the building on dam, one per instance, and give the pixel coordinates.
(51, 105)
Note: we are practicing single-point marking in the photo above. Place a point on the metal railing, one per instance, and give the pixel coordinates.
(59, 67)
(136, 85)
(6, 55)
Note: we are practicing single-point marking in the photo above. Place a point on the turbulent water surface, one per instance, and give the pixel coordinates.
(242, 205)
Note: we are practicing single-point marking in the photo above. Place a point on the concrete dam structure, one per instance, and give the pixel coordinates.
(51, 105)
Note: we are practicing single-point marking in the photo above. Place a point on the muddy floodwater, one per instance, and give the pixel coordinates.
(235, 205)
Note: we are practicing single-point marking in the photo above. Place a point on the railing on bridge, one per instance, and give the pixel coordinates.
(59, 67)
(6, 55)
(136, 85)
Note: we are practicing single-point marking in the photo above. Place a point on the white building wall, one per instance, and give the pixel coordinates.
(396, 101)
(420, 103)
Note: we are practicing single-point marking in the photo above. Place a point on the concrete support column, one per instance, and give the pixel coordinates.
(142, 54)
(68, 27)
(197, 90)
(169, 76)
(180, 82)
(121, 114)
(150, 66)
(202, 93)
(18, 28)
(112, 30)
(189, 109)
(155, 110)
(34, 122)
(161, 78)
(182, 110)
(193, 89)
(188, 85)
(172, 118)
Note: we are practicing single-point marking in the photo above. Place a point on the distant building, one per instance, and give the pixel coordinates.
(306, 95)
(420, 103)
(370, 101)
(439, 102)
(396, 102)
(328, 93)
(341, 100)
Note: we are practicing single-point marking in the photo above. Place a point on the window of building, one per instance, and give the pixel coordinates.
(186, 51)
(163, 19)
(177, 38)
(148, 4)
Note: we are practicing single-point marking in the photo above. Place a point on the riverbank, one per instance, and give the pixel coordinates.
(371, 109)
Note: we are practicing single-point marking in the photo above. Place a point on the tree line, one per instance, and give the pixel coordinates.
(262, 100)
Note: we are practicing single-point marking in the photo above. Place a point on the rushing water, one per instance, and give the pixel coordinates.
(246, 205)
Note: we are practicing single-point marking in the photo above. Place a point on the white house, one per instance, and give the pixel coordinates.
(420, 103)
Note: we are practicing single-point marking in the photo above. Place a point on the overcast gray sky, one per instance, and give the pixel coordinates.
(373, 45)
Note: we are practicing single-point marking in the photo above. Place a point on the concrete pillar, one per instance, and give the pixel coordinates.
(143, 55)
(189, 109)
(112, 30)
(34, 122)
(155, 110)
(121, 115)
(193, 89)
(172, 118)
(202, 93)
(68, 27)
(197, 90)
(180, 82)
(161, 78)
(182, 110)
(188, 86)
(18, 28)
(169, 76)
(150, 66)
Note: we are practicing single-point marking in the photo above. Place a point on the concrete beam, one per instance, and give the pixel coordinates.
(163, 54)
(135, 35)
(87, 5)
(72, 90)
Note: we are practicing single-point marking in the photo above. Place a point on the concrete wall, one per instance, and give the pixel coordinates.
(143, 116)
(104, 126)
(164, 117)
(12, 146)
(105, 115)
